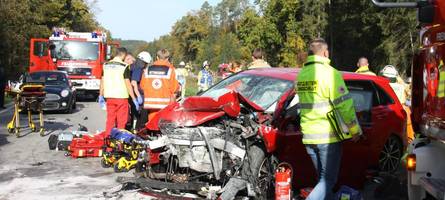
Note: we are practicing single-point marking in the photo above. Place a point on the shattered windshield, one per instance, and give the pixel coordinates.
(262, 90)
(76, 50)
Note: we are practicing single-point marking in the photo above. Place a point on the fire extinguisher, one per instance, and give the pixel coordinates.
(283, 182)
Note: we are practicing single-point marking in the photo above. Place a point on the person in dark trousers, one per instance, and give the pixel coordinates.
(2, 87)
(136, 70)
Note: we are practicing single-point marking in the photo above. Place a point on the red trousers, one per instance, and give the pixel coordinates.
(117, 114)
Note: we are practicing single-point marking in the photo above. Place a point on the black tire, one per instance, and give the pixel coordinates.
(259, 169)
(391, 154)
(74, 103)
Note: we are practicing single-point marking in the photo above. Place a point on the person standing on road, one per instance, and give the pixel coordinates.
(321, 90)
(258, 60)
(159, 84)
(181, 76)
(363, 67)
(205, 78)
(136, 71)
(115, 87)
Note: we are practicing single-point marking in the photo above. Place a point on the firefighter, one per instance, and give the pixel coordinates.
(258, 60)
(321, 90)
(395, 81)
(205, 78)
(159, 85)
(115, 87)
(136, 70)
(363, 67)
(400, 88)
(181, 76)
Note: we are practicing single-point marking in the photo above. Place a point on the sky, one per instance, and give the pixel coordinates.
(143, 19)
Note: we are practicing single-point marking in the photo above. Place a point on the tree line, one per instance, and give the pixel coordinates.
(21, 20)
(231, 29)
(282, 28)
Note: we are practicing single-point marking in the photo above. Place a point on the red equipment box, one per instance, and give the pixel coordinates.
(87, 146)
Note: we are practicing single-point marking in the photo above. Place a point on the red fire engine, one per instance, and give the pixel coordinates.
(426, 159)
(80, 54)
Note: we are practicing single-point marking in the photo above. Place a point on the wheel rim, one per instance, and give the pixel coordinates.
(390, 156)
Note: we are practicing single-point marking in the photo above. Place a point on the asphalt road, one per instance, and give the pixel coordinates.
(29, 170)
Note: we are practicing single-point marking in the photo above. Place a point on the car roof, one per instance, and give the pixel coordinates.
(291, 73)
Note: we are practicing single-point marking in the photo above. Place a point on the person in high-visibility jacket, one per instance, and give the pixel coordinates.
(115, 88)
(181, 76)
(441, 86)
(363, 67)
(205, 77)
(159, 84)
(321, 90)
(399, 86)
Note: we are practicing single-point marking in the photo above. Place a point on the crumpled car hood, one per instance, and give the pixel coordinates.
(196, 110)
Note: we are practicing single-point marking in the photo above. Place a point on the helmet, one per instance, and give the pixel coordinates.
(145, 56)
(389, 71)
(182, 63)
(205, 63)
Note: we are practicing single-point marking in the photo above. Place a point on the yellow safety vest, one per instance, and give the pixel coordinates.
(113, 80)
(321, 89)
(441, 87)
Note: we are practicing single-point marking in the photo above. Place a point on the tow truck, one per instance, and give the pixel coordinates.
(80, 54)
(426, 154)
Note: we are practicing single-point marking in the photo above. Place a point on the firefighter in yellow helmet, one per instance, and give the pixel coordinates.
(327, 116)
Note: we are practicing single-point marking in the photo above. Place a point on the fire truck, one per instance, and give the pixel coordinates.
(426, 154)
(80, 54)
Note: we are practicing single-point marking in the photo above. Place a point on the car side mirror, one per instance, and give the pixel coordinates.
(52, 51)
(426, 12)
(108, 56)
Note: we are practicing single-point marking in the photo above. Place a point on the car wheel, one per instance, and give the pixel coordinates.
(391, 154)
(259, 169)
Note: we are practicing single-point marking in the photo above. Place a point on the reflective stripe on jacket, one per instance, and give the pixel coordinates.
(159, 85)
(113, 79)
(441, 87)
(321, 88)
(205, 79)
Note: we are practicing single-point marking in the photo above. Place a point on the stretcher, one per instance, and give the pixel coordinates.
(27, 97)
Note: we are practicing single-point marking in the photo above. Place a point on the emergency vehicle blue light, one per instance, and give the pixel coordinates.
(56, 33)
(94, 35)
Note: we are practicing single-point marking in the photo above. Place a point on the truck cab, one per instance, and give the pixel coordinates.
(80, 54)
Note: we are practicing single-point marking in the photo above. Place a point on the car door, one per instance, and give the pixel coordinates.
(39, 55)
(355, 158)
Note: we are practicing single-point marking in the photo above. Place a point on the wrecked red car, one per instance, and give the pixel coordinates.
(228, 140)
